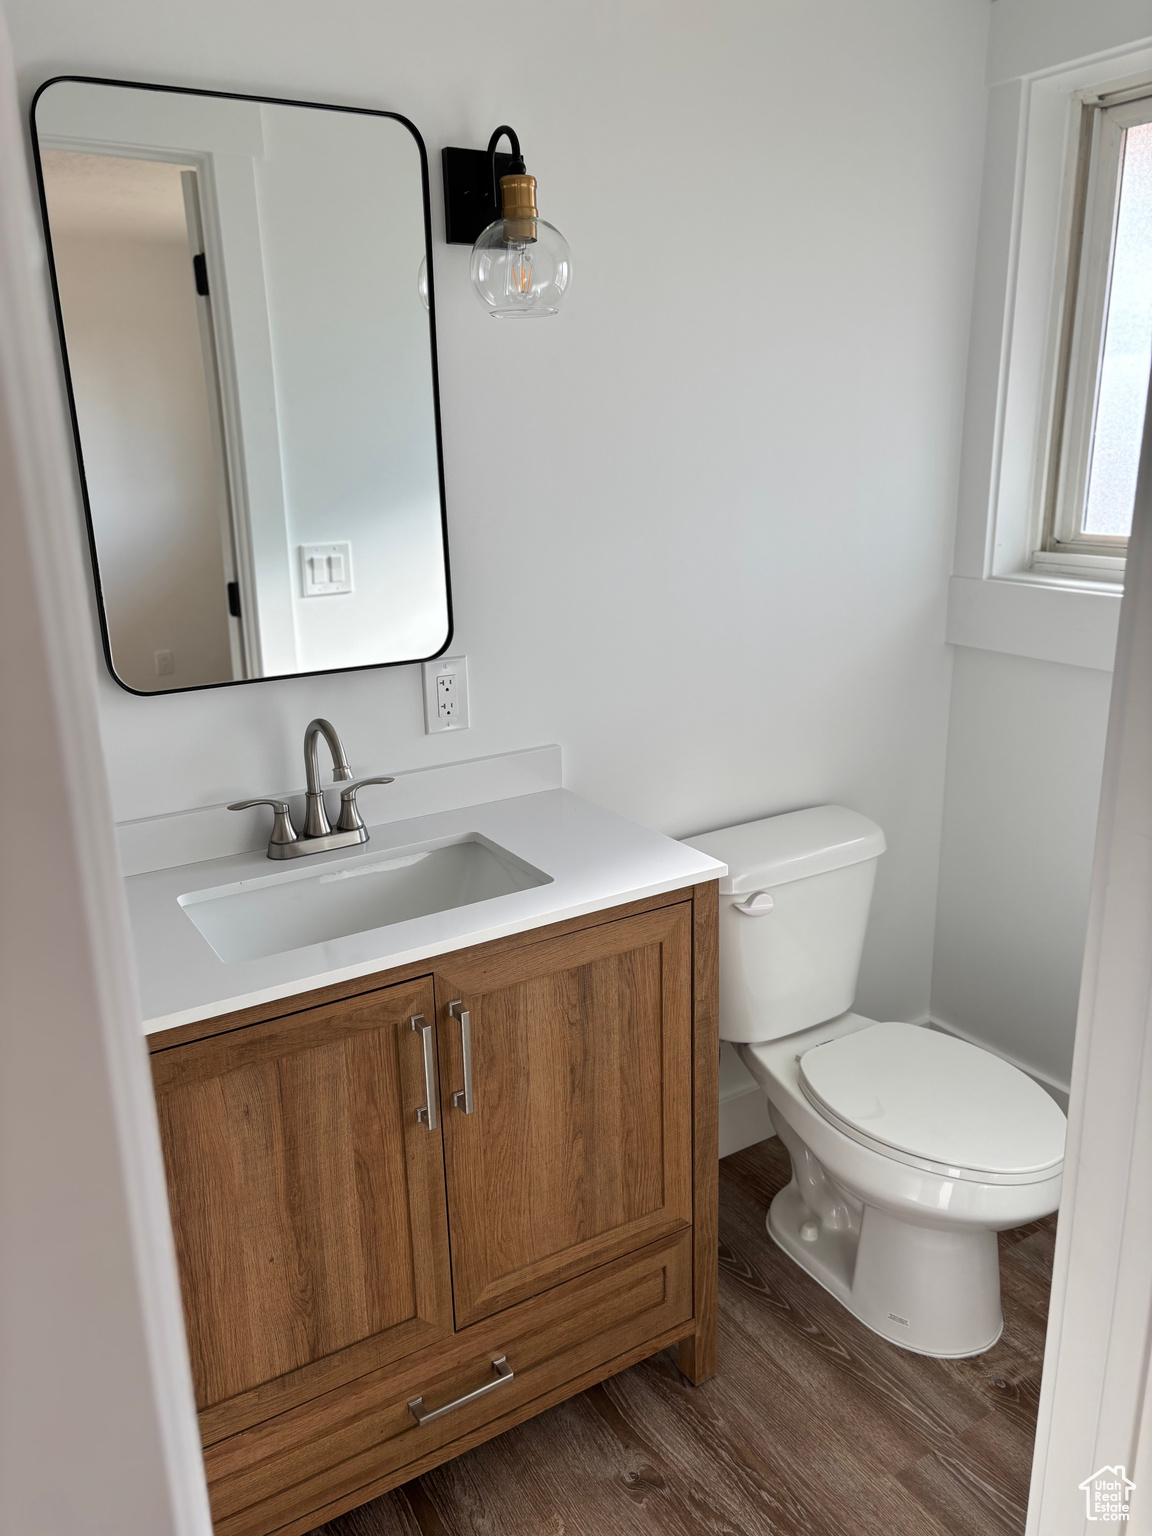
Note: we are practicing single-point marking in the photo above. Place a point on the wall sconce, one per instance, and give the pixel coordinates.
(521, 265)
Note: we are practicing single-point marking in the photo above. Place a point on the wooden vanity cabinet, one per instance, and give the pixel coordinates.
(578, 1147)
(343, 1252)
(307, 1201)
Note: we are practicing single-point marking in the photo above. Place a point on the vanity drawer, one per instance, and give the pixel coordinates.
(363, 1433)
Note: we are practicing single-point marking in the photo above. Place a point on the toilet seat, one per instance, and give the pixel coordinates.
(933, 1101)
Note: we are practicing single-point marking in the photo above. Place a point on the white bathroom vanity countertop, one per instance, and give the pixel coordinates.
(595, 859)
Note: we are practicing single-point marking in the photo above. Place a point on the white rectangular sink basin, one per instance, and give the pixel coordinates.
(296, 907)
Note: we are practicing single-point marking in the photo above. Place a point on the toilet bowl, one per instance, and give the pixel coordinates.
(910, 1149)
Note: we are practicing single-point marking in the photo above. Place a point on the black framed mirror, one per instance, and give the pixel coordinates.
(245, 296)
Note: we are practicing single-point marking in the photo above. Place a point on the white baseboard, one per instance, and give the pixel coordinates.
(744, 1117)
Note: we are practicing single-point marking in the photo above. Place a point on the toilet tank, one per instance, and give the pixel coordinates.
(793, 909)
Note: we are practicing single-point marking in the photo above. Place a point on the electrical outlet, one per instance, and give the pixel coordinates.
(446, 698)
(165, 663)
(446, 694)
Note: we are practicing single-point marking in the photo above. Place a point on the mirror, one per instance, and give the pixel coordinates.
(244, 290)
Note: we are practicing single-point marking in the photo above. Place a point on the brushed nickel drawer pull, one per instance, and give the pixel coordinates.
(426, 1114)
(424, 1416)
(462, 1098)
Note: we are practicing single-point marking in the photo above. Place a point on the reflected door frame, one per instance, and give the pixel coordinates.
(223, 151)
(235, 538)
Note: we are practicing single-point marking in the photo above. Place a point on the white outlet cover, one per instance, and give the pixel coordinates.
(456, 666)
(325, 569)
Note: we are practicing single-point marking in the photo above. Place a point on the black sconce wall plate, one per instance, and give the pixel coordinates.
(470, 199)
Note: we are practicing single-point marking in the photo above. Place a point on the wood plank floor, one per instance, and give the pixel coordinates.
(814, 1426)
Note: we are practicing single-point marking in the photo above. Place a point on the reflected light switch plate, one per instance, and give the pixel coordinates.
(325, 569)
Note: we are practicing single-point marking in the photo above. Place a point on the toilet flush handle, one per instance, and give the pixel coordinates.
(755, 905)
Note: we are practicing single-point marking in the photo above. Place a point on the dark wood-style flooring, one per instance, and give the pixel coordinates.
(814, 1426)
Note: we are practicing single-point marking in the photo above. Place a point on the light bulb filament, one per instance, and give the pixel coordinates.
(522, 276)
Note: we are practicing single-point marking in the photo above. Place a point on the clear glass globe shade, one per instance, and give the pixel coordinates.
(520, 279)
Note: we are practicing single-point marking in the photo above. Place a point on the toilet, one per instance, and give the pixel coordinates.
(910, 1149)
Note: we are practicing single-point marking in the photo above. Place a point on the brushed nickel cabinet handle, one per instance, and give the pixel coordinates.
(426, 1114)
(423, 1416)
(462, 1098)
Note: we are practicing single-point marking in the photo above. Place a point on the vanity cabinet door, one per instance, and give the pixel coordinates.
(307, 1201)
(578, 1145)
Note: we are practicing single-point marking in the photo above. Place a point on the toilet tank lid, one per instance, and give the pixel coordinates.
(777, 849)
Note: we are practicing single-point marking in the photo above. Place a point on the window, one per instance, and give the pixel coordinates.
(1105, 345)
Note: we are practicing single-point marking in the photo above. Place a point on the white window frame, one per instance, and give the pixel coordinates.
(1062, 547)
(999, 600)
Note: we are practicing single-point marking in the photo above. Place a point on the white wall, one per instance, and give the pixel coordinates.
(1032, 35)
(342, 233)
(701, 523)
(1025, 755)
(1026, 736)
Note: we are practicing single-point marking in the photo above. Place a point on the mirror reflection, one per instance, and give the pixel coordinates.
(243, 299)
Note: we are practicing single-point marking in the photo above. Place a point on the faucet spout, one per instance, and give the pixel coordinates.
(316, 822)
(318, 835)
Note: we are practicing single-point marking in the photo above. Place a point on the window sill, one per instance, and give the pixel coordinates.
(1078, 567)
(1067, 620)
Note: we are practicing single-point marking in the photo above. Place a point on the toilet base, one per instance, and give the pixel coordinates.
(932, 1290)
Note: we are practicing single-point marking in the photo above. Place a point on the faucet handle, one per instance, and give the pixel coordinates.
(350, 818)
(282, 829)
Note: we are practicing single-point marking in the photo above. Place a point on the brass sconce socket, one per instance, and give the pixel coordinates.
(518, 198)
(521, 265)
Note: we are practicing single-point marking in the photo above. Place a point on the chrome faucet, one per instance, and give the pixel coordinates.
(317, 836)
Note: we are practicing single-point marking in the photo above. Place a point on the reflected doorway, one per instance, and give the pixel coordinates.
(145, 375)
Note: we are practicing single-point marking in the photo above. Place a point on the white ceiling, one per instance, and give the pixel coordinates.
(107, 194)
